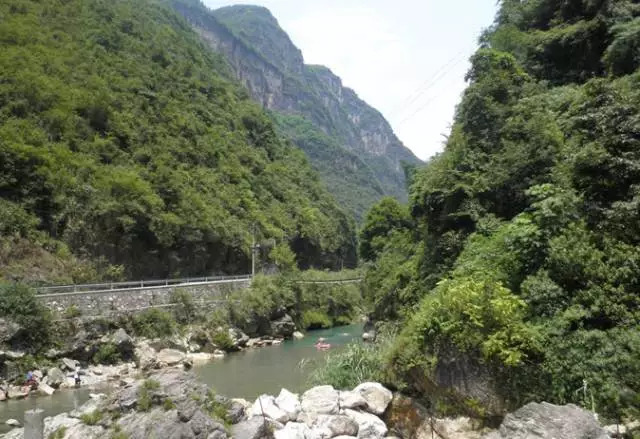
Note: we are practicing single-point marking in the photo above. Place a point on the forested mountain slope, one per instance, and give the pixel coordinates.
(126, 147)
(516, 269)
(348, 142)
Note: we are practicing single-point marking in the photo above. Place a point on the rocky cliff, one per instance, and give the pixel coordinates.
(349, 142)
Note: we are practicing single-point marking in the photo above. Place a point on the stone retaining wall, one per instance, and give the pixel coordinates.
(136, 299)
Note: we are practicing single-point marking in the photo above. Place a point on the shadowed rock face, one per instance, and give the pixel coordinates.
(548, 421)
(348, 141)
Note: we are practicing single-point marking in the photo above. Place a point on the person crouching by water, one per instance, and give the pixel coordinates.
(31, 383)
(76, 376)
(322, 344)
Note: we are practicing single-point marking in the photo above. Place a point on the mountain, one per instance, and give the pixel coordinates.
(515, 272)
(128, 149)
(348, 142)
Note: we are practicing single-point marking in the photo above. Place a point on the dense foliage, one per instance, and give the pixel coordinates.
(122, 144)
(525, 252)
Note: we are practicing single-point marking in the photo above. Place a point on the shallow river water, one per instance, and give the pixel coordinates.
(245, 374)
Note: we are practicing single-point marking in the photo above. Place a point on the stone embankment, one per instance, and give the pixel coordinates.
(172, 404)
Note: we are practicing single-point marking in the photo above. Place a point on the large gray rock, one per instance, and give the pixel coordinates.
(16, 392)
(548, 421)
(283, 327)
(377, 397)
(239, 338)
(289, 403)
(171, 357)
(69, 364)
(369, 425)
(146, 357)
(293, 430)
(55, 377)
(8, 330)
(320, 400)
(337, 425)
(254, 428)
(352, 400)
(265, 405)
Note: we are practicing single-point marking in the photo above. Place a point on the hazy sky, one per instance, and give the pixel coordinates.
(407, 58)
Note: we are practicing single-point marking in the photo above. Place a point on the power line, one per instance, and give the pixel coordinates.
(429, 83)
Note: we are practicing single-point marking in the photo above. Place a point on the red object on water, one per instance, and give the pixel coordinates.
(322, 346)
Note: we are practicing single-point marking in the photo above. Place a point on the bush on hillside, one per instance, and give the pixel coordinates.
(154, 323)
(19, 304)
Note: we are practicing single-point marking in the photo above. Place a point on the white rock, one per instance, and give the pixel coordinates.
(97, 371)
(266, 405)
(16, 392)
(218, 353)
(338, 425)
(171, 357)
(297, 335)
(38, 375)
(289, 403)
(200, 357)
(45, 389)
(369, 426)
(377, 397)
(97, 396)
(146, 356)
(352, 400)
(12, 422)
(321, 400)
(292, 430)
(617, 431)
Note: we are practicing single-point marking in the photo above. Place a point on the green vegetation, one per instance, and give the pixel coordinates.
(18, 303)
(154, 323)
(521, 250)
(108, 353)
(168, 404)
(127, 151)
(145, 400)
(356, 364)
(92, 418)
(58, 434)
(217, 409)
(312, 305)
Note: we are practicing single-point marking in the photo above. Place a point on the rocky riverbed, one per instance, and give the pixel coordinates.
(138, 355)
(172, 403)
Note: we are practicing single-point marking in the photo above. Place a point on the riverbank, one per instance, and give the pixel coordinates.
(173, 403)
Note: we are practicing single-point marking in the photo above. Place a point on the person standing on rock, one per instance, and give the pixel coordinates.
(76, 376)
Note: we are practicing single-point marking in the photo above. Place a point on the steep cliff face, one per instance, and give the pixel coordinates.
(262, 56)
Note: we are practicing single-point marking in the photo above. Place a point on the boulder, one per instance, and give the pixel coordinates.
(289, 403)
(377, 397)
(283, 327)
(124, 343)
(297, 335)
(16, 392)
(368, 336)
(146, 356)
(199, 357)
(239, 338)
(337, 425)
(369, 425)
(236, 411)
(8, 330)
(352, 400)
(12, 422)
(548, 421)
(320, 400)
(55, 377)
(293, 430)
(45, 389)
(69, 364)
(253, 428)
(265, 405)
(3, 395)
(171, 357)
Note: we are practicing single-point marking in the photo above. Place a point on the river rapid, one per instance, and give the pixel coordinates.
(244, 374)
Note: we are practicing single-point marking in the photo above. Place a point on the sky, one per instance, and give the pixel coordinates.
(406, 58)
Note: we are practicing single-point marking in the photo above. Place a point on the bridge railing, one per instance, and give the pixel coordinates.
(60, 289)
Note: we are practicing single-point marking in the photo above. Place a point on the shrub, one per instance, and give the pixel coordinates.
(222, 339)
(154, 323)
(315, 320)
(58, 433)
(108, 353)
(91, 418)
(185, 311)
(72, 312)
(356, 364)
(19, 304)
(168, 404)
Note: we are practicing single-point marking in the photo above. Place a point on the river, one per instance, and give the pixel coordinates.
(245, 374)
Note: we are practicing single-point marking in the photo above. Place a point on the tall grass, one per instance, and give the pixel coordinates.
(357, 363)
